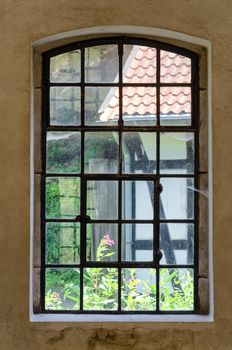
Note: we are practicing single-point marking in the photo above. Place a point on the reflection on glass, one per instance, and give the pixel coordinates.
(101, 152)
(137, 242)
(62, 243)
(174, 68)
(102, 199)
(177, 198)
(100, 289)
(138, 289)
(137, 200)
(175, 106)
(139, 105)
(101, 64)
(177, 152)
(176, 289)
(177, 244)
(65, 68)
(139, 64)
(63, 152)
(62, 289)
(65, 105)
(139, 152)
(102, 242)
(101, 106)
(62, 197)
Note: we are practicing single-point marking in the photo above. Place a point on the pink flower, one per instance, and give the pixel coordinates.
(56, 295)
(107, 240)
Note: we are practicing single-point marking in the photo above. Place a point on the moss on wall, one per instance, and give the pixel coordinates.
(23, 21)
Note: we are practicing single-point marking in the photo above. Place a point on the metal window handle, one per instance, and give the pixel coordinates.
(85, 218)
(159, 187)
(158, 255)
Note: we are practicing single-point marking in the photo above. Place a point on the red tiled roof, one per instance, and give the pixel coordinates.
(140, 67)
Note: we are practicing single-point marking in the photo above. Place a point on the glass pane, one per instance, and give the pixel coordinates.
(174, 68)
(176, 289)
(139, 152)
(137, 242)
(65, 68)
(101, 106)
(175, 105)
(144, 254)
(138, 289)
(62, 197)
(177, 152)
(62, 243)
(177, 198)
(63, 152)
(65, 105)
(101, 152)
(62, 289)
(139, 64)
(102, 242)
(177, 244)
(101, 64)
(137, 200)
(102, 199)
(100, 289)
(139, 105)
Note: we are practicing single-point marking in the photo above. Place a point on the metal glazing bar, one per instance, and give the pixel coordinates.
(134, 177)
(45, 122)
(117, 84)
(122, 264)
(97, 128)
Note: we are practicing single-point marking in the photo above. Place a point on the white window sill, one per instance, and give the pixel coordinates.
(119, 318)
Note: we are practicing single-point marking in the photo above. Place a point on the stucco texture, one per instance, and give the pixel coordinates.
(21, 23)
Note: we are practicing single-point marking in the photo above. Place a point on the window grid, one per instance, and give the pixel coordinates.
(155, 178)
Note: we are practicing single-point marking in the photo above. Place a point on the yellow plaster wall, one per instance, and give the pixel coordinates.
(23, 21)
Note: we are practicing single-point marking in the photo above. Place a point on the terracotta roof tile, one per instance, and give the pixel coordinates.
(140, 67)
(174, 68)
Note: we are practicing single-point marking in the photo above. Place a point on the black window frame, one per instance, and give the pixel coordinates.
(155, 178)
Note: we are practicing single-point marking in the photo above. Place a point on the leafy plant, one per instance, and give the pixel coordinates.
(176, 287)
(137, 294)
(101, 284)
(53, 300)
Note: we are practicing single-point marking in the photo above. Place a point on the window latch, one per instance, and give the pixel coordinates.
(158, 255)
(159, 187)
(83, 219)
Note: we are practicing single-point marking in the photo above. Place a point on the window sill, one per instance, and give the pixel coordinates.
(120, 318)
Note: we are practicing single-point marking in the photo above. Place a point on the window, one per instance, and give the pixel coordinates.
(120, 179)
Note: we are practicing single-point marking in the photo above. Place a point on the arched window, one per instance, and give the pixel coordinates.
(120, 178)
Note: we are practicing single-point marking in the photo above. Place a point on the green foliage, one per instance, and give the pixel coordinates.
(53, 300)
(101, 284)
(138, 294)
(176, 287)
(101, 287)
(65, 191)
(63, 155)
(62, 243)
(102, 147)
(52, 246)
(52, 197)
(57, 278)
(62, 289)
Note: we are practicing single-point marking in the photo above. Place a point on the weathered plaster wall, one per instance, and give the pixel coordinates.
(23, 21)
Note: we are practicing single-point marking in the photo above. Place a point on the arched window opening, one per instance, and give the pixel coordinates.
(120, 169)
